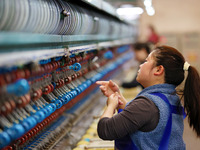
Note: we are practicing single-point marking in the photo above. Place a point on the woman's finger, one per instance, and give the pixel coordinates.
(113, 86)
(102, 82)
(112, 96)
(120, 102)
(118, 95)
(103, 90)
(115, 96)
(102, 87)
(106, 94)
(111, 83)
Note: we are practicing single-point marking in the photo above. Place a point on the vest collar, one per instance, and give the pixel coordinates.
(162, 88)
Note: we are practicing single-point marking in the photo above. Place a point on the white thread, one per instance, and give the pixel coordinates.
(186, 66)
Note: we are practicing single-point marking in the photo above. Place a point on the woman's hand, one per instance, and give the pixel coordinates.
(114, 100)
(112, 103)
(108, 87)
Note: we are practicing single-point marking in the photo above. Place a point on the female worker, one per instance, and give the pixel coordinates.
(154, 119)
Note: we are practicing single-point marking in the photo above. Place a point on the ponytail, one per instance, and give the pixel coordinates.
(192, 99)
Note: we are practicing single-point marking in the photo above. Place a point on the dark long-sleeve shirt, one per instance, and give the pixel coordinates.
(141, 114)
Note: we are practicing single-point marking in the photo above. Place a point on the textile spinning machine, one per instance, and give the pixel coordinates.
(51, 54)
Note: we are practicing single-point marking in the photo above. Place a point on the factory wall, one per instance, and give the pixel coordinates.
(178, 23)
(172, 16)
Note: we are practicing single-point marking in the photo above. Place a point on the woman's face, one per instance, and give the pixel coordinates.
(146, 71)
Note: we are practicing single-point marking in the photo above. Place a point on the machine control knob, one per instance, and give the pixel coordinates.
(108, 55)
(16, 131)
(39, 116)
(58, 103)
(75, 66)
(21, 87)
(4, 139)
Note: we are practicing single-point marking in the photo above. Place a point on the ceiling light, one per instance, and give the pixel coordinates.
(150, 11)
(147, 3)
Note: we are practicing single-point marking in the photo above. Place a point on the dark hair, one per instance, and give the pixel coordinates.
(173, 61)
(139, 46)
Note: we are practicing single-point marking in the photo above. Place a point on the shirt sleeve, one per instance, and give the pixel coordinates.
(141, 114)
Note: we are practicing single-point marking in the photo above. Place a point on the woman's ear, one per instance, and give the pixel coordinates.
(159, 70)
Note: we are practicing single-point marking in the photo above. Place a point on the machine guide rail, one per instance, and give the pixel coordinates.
(29, 96)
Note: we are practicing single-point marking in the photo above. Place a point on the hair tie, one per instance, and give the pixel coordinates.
(186, 66)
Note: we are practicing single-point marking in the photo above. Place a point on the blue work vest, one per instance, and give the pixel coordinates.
(148, 140)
